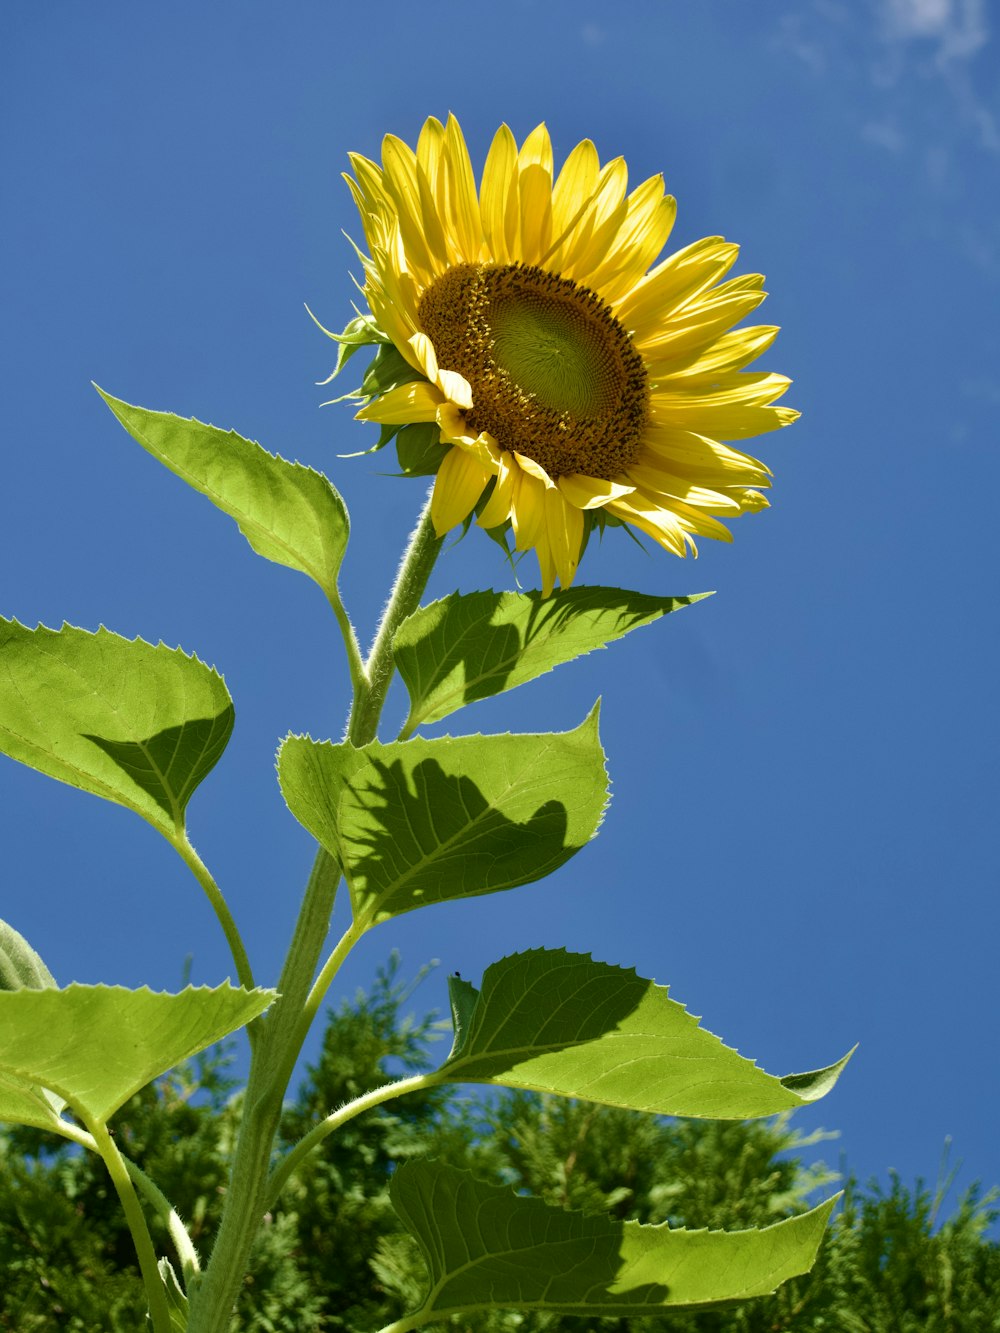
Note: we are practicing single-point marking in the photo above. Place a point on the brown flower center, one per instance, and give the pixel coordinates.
(553, 374)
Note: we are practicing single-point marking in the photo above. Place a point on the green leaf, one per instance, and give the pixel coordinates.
(560, 1022)
(469, 646)
(20, 965)
(25, 1103)
(177, 1301)
(487, 1247)
(289, 513)
(424, 821)
(94, 1046)
(138, 725)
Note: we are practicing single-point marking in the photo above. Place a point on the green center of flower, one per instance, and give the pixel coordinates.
(553, 374)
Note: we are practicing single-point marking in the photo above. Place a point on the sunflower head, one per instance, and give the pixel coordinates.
(537, 358)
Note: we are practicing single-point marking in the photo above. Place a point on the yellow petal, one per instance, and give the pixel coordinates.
(654, 520)
(585, 243)
(527, 514)
(403, 184)
(498, 507)
(564, 526)
(575, 186)
(591, 492)
(640, 238)
(537, 151)
(677, 281)
(546, 565)
(534, 469)
(460, 482)
(753, 388)
(730, 352)
(535, 203)
(455, 387)
(672, 339)
(418, 401)
(659, 482)
(455, 430)
(426, 357)
(462, 200)
(498, 177)
(430, 149)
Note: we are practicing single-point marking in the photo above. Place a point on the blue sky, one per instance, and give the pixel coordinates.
(802, 836)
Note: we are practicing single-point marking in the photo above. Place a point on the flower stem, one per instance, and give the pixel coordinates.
(281, 1032)
(411, 580)
(270, 1071)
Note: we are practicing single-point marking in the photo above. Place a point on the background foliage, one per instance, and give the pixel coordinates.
(894, 1261)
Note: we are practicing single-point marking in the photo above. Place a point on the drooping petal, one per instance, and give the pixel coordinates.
(499, 506)
(564, 524)
(461, 480)
(591, 492)
(418, 401)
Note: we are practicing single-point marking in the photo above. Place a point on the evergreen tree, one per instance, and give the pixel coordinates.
(332, 1256)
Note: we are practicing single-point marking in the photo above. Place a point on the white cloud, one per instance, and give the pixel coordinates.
(959, 27)
(899, 45)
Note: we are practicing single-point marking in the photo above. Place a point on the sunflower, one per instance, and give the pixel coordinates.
(565, 377)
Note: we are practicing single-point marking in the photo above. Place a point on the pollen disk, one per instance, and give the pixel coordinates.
(554, 375)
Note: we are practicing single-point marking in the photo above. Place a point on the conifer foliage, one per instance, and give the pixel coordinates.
(896, 1259)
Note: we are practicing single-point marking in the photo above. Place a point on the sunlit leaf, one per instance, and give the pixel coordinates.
(138, 725)
(289, 513)
(94, 1046)
(471, 645)
(20, 965)
(487, 1247)
(25, 1103)
(560, 1022)
(423, 821)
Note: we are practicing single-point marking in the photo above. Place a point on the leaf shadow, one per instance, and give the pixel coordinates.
(430, 836)
(169, 765)
(487, 653)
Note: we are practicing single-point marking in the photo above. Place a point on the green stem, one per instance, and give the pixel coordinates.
(159, 1311)
(186, 1252)
(409, 1322)
(219, 905)
(280, 1174)
(411, 580)
(330, 969)
(355, 664)
(282, 1031)
(270, 1071)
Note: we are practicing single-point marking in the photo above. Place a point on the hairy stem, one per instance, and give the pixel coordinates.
(186, 1252)
(305, 1145)
(159, 1311)
(281, 1032)
(355, 664)
(221, 908)
(411, 580)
